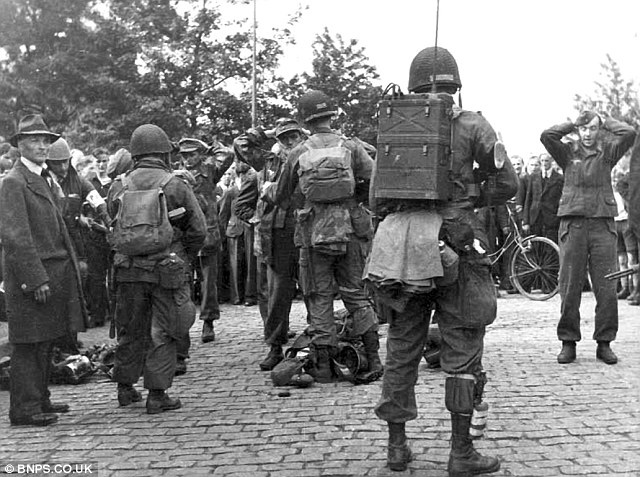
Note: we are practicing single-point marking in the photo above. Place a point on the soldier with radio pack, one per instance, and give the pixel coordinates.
(429, 249)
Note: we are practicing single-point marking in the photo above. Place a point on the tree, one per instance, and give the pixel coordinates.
(99, 68)
(613, 96)
(341, 69)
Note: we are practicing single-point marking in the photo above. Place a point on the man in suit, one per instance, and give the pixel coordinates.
(542, 200)
(42, 278)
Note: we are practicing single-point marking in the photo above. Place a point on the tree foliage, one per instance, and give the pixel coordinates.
(613, 96)
(98, 68)
(341, 69)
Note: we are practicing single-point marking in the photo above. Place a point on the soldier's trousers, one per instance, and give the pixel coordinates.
(209, 306)
(587, 244)
(325, 276)
(461, 356)
(149, 319)
(281, 278)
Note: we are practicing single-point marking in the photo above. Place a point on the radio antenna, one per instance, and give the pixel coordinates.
(435, 52)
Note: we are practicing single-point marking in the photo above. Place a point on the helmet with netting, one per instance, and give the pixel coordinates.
(149, 139)
(433, 61)
(315, 104)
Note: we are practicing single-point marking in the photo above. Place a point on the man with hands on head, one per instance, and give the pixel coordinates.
(587, 236)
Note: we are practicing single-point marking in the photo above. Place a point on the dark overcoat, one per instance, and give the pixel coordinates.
(543, 200)
(37, 250)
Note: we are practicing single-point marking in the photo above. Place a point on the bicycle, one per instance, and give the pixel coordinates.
(534, 263)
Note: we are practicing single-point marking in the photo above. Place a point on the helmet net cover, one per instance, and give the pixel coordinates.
(149, 139)
(315, 104)
(430, 62)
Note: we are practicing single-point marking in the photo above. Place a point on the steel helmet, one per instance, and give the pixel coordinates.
(315, 104)
(59, 151)
(149, 139)
(430, 61)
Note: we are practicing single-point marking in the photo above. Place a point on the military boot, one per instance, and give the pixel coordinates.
(322, 369)
(464, 460)
(208, 333)
(127, 394)
(159, 401)
(398, 451)
(375, 370)
(273, 358)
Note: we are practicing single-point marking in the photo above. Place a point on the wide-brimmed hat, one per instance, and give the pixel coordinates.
(189, 144)
(32, 125)
(59, 151)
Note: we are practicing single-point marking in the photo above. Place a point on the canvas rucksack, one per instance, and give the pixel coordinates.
(326, 173)
(142, 224)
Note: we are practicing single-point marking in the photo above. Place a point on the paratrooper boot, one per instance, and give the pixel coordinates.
(398, 451)
(464, 460)
(322, 370)
(371, 343)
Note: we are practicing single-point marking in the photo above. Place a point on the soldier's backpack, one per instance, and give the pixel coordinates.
(413, 160)
(326, 173)
(142, 224)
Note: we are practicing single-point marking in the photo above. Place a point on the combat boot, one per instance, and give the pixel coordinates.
(375, 370)
(398, 451)
(208, 333)
(127, 394)
(568, 353)
(273, 358)
(605, 354)
(322, 369)
(464, 460)
(159, 401)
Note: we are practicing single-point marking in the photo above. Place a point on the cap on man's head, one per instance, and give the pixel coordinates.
(285, 125)
(189, 144)
(59, 151)
(585, 117)
(32, 125)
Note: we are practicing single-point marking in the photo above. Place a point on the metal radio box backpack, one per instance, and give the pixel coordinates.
(414, 147)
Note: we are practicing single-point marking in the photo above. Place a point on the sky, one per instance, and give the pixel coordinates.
(521, 62)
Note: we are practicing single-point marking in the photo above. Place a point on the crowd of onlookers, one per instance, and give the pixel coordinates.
(237, 262)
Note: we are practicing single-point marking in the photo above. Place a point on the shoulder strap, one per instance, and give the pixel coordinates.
(165, 181)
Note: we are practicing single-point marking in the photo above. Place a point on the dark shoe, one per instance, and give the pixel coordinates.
(181, 367)
(250, 303)
(634, 299)
(399, 456)
(128, 394)
(208, 333)
(273, 358)
(291, 334)
(237, 302)
(55, 407)
(302, 380)
(41, 419)
(605, 354)
(159, 401)
(371, 343)
(568, 353)
(464, 460)
(322, 369)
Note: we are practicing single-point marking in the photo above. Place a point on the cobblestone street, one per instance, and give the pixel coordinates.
(545, 419)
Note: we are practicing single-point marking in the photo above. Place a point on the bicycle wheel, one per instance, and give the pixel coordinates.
(534, 268)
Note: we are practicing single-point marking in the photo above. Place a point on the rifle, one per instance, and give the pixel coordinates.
(623, 273)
